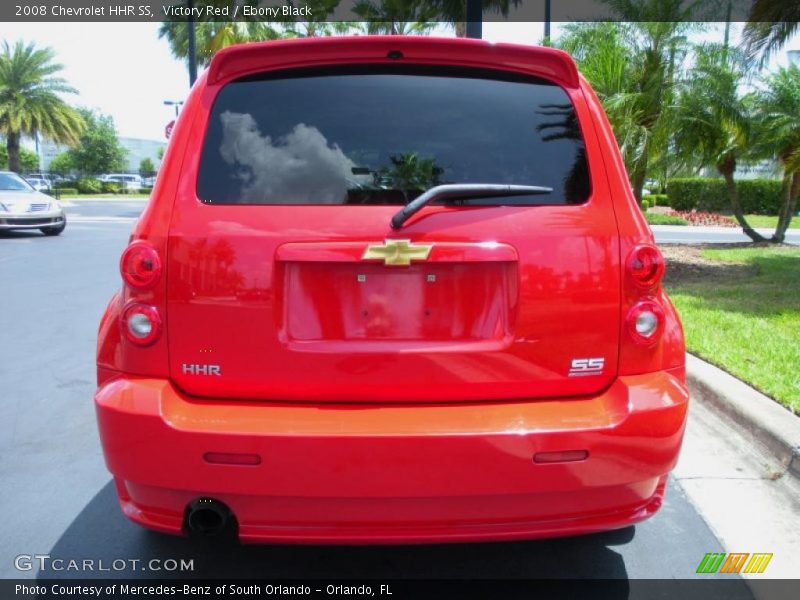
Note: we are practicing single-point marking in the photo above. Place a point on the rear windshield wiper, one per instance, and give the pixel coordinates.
(463, 190)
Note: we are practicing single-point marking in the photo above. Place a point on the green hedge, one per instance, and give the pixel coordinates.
(758, 196)
(65, 191)
(88, 185)
(658, 199)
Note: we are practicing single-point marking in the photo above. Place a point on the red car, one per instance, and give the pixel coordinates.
(387, 290)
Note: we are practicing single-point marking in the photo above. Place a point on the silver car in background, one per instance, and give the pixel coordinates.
(22, 207)
(40, 184)
(128, 182)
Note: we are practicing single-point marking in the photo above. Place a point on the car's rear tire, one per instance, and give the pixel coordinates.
(54, 229)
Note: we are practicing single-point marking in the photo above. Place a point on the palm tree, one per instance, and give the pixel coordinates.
(396, 17)
(604, 58)
(455, 11)
(633, 67)
(712, 125)
(779, 132)
(213, 36)
(29, 99)
(770, 25)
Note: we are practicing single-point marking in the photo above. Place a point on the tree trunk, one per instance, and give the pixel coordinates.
(726, 170)
(791, 188)
(461, 29)
(12, 146)
(637, 183)
(640, 171)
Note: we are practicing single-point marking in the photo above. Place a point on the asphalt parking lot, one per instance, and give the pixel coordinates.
(57, 497)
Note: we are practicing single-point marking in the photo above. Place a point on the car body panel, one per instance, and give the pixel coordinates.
(418, 440)
(225, 275)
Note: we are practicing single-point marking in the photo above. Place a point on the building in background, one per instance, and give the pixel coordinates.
(139, 149)
(136, 148)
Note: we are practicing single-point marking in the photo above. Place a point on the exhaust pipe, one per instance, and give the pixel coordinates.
(206, 517)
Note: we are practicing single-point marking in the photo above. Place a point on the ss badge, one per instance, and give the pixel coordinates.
(581, 367)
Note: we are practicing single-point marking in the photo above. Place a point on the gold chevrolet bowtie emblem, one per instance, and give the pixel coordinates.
(397, 252)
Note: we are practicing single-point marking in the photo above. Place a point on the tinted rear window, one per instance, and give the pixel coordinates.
(371, 135)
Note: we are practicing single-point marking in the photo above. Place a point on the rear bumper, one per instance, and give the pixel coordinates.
(403, 474)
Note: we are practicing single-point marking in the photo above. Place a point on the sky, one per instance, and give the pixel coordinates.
(125, 70)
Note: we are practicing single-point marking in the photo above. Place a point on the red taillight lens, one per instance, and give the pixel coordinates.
(140, 265)
(646, 266)
(141, 324)
(645, 322)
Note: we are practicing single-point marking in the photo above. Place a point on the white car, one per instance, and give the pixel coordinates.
(40, 184)
(128, 182)
(23, 207)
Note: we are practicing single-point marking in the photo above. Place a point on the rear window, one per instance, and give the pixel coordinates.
(373, 135)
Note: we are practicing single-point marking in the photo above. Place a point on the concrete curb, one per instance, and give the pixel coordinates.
(761, 417)
(707, 229)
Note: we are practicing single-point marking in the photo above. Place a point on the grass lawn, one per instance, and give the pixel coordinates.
(770, 222)
(741, 311)
(657, 219)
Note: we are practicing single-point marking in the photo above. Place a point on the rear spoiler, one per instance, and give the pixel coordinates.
(245, 59)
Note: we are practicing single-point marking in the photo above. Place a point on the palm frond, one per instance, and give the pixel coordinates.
(30, 95)
(770, 24)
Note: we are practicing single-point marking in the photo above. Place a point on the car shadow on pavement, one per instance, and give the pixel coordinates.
(21, 233)
(101, 532)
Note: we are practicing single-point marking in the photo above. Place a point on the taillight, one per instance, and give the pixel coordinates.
(141, 324)
(140, 265)
(652, 339)
(646, 266)
(645, 321)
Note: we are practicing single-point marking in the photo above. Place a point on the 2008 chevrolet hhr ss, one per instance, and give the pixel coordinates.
(391, 290)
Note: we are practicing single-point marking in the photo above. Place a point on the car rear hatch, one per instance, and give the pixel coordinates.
(288, 283)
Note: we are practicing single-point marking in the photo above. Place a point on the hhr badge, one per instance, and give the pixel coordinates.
(201, 369)
(581, 367)
(397, 252)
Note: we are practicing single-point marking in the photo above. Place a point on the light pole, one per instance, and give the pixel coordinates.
(546, 22)
(192, 45)
(176, 103)
(474, 19)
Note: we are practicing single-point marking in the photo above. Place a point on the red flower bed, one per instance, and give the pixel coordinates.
(708, 219)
